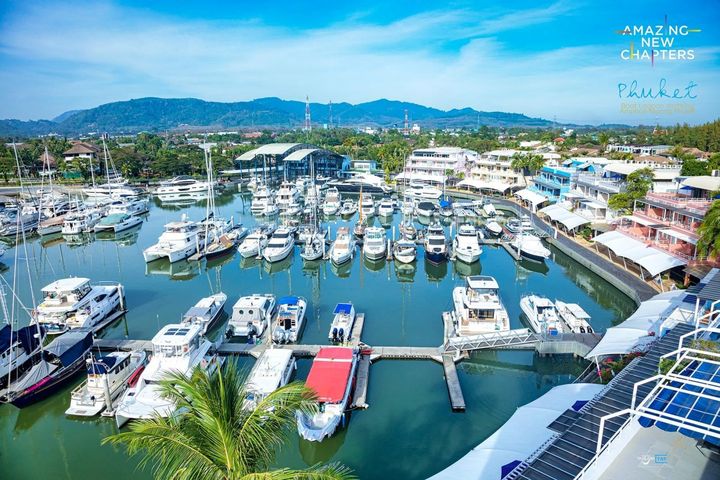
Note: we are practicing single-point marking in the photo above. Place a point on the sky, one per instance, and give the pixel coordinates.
(552, 59)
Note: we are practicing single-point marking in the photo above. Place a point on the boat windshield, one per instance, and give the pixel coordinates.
(436, 241)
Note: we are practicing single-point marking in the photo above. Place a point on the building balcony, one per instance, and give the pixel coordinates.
(600, 183)
(680, 202)
(551, 183)
(678, 248)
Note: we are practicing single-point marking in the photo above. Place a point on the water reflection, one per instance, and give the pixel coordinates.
(125, 238)
(181, 270)
(275, 267)
(250, 262)
(467, 269)
(342, 271)
(220, 260)
(435, 271)
(78, 239)
(48, 241)
(373, 265)
(313, 453)
(405, 272)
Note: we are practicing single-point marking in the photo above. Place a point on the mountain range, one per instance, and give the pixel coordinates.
(159, 114)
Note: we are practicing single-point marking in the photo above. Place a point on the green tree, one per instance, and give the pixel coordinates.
(214, 437)
(637, 185)
(692, 168)
(709, 232)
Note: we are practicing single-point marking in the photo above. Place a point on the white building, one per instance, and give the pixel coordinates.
(493, 171)
(639, 149)
(431, 165)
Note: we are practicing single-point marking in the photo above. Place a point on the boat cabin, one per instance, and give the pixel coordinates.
(481, 295)
(272, 371)
(251, 309)
(67, 291)
(288, 311)
(176, 340)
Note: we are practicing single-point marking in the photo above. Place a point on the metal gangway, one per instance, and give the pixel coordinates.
(518, 338)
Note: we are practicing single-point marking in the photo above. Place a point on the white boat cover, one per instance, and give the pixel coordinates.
(564, 216)
(496, 185)
(521, 435)
(647, 319)
(651, 259)
(530, 196)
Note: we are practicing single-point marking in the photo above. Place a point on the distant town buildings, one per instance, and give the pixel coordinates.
(638, 149)
(434, 165)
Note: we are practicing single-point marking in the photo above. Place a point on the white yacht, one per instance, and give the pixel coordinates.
(465, 244)
(374, 243)
(541, 314)
(361, 182)
(137, 206)
(489, 208)
(74, 303)
(272, 370)
(116, 189)
(531, 247)
(367, 205)
(436, 245)
(493, 228)
(575, 319)
(177, 242)
(520, 225)
(289, 319)
(343, 248)
(343, 321)
(117, 222)
(181, 187)
(331, 379)
(51, 225)
(270, 209)
(261, 198)
(425, 209)
(81, 222)
(107, 378)
(287, 195)
(254, 243)
(386, 208)
(478, 307)
(177, 349)
(251, 315)
(314, 247)
(332, 201)
(205, 312)
(421, 190)
(405, 251)
(348, 208)
(280, 246)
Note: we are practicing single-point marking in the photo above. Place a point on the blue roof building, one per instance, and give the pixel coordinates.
(553, 182)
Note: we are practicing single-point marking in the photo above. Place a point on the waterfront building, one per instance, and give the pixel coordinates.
(432, 166)
(590, 193)
(553, 182)
(81, 151)
(364, 166)
(665, 176)
(289, 161)
(493, 171)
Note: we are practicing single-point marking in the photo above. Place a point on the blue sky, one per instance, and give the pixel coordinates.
(553, 59)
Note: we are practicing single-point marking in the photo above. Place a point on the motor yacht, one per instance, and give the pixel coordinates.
(117, 222)
(287, 195)
(367, 205)
(489, 208)
(178, 241)
(421, 190)
(405, 251)
(182, 186)
(205, 312)
(541, 314)
(493, 228)
(360, 182)
(375, 243)
(251, 315)
(531, 247)
(289, 319)
(261, 198)
(436, 245)
(83, 221)
(348, 208)
(280, 246)
(343, 248)
(342, 324)
(137, 206)
(332, 201)
(478, 307)
(254, 243)
(386, 208)
(466, 247)
(520, 225)
(425, 209)
(271, 371)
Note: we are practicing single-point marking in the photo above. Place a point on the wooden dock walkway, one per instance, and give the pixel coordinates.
(361, 385)
(457, 400)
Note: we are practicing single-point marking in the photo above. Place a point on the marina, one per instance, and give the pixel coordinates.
(396, 330)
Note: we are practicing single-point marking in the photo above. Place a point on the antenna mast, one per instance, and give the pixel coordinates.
(308, 125)
(406, 128)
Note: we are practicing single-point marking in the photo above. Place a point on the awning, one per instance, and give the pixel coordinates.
(679, 235)
(564, 216)
(530, 196)
(520, 436)
(593, 205)
(642, 221)
(651, 259)
(498, 186)
(646, 320)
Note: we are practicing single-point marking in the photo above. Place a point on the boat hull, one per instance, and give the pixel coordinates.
(436, 257)
(49, 385)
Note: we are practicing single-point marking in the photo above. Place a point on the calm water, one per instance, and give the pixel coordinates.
(409, 410)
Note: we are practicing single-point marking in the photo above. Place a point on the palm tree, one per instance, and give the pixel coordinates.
(214, 437)
(709, 231)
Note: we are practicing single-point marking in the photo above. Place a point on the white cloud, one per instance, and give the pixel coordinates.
(63, 57)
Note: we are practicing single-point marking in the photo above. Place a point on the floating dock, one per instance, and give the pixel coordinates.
(361, 385)
(457, 401)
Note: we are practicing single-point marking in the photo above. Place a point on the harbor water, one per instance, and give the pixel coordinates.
(408, 431)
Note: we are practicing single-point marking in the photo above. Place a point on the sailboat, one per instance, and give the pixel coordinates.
(314, 248)
(217, 239)
(116, 186)
(359, 230)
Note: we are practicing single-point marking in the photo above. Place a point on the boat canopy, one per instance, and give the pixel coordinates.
(520, 436)
(113, 218)
(289, 300)
(26, 336)
(651, 259)
(103, 365)
(563, 215)
(69, 346)
(330, 373)
(482, 282)
(445, 203)
(66, 284)
(344, 308)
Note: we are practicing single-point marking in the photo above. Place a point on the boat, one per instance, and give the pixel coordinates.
(405, 251)
(108, 377)
(307, 232)
(136, 206)
(314, 248)
(82, 221)
(446, 208)
(425, 209)
(254, 242)
(465, 244)
(343, 248)
(436, 248)
(261, 198)
(493, 228)
(17, 349)
(116, 186)
(59, 361)
(421, 190)
(270, 210)
(348, 208)
(51, 225)
(375, 243)
(575, 319)
(177, 350)
(331, 379)
(287, 195)
(251, 315)
(407, 229)
(272, 370)
(182, 186)
(520, 225)
(117, 222)
(478, 308)
(280, 246)
(73, 303)
(531, 247)
(360, 181)
(489, 208)
(343, 321)
(332, 201)
(178, 241)
(205, 312)
(367, 205)
(289, 319)
(225, 243)
(386, 208)
(541, 314)
(292, 209)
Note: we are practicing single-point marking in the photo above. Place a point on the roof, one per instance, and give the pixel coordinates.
(628, 168)
(703, 182)
(176, 334)
(330, 373)
(709, 286)
(252, 301)
(531, 196)
(651, 259)
(482, 281)
(289, 300)
(66, 284)
(485, 185)
(298, 155)
(343, 308)
(270, 149)
(564, 216)
(48, 159)
(268, 371)
(80, 148)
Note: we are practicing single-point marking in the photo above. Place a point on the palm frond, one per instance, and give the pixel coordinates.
(333, 471)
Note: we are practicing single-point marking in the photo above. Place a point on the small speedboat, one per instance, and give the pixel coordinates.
(348, 208)
(493, 228)
(271, 371)
(531, 247)
(107, 378)
(489, 209)
(342, 323)
(117, 222)
(405, 251)
(289, 320)
(425, 209)
(359, 229)
(520, 225)
(465, 244)
(375, 243)
(253, 243)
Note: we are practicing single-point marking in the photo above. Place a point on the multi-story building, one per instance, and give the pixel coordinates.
(432, 165)
(81, 151)
(493, 171)
(665, 177)
(553, 182)
(590, 193)
(639, 149)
